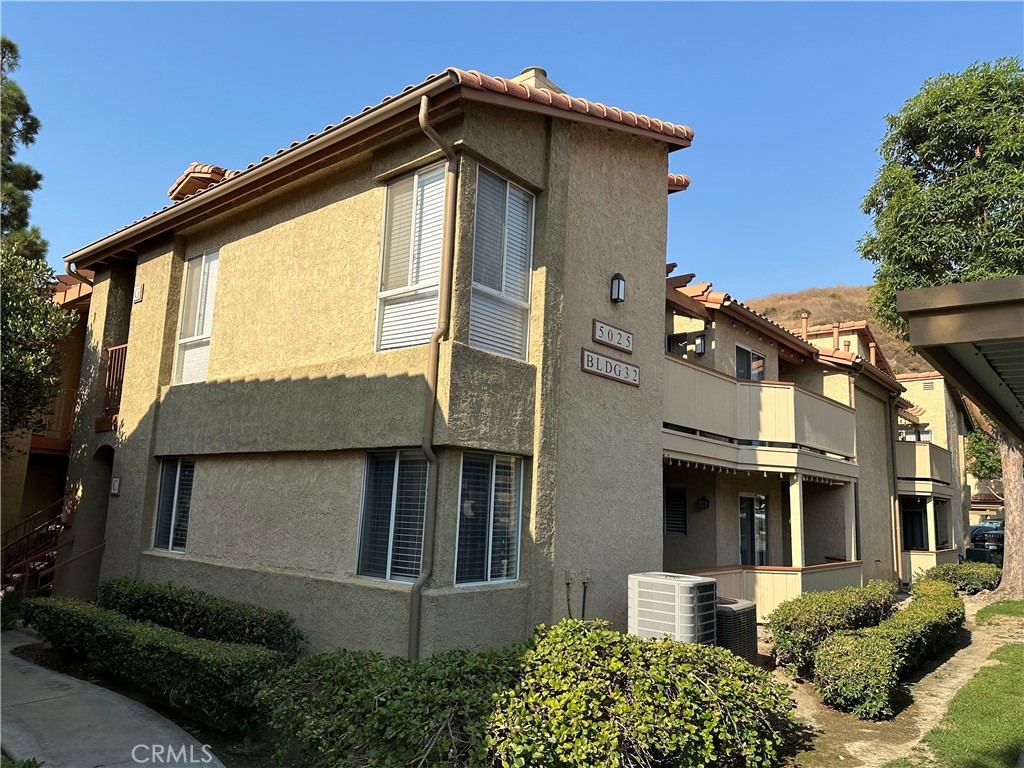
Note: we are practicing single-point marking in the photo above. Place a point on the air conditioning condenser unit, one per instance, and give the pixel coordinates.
(673, 604)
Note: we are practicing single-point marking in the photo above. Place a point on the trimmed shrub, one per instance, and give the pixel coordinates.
(219, 679)
(860, 670)
(800, 625)
(359, 708)
(966, 577)
(578, 694)
(202, 615)
(590, 696)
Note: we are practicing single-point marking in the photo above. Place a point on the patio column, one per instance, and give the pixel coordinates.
(796, 520)
(850, 519)
(929, 511)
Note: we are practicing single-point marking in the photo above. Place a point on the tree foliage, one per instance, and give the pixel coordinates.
(983, 459)
(948, 202)
(31, 327)
(20, 127)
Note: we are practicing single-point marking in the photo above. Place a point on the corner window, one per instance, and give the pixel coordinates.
(175, 504)
(749, 364)
(193, 354)
(411, 260)
(499, 311)
(394, 501)
(490, 503)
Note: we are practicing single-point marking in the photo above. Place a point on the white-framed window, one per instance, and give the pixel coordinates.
(410, 269)
(174, 506)
(499, 314)
(749, 364)
(391, 527)
(490, 508)
(196, 323)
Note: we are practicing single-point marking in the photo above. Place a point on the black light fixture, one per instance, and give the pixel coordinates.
(618, 288)
(703, 502)
(698, 344)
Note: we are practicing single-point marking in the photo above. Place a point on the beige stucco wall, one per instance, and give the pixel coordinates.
(720, 340)
(697, 548)
(824, 518)
(876, 487)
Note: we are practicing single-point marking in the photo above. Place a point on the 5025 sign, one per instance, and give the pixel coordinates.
(611, 336)
(599, 365)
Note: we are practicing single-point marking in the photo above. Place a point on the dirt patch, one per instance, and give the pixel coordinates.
(842, 739)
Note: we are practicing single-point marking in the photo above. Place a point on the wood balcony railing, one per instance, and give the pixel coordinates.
(707, 401)
(924, 461)
(61, 418)
(116, 357)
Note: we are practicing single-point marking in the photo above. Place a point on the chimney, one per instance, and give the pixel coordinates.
(835, 335)
(803, 325)
(872, 353)
(535, 77)
(846, 346)
(197, 176)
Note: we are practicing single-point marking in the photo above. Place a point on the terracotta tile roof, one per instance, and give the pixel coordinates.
(679, 135)
(197, 177)
(702, 293)
(677, 182)
(913, 376)
(473, 79)
(863, 329)
(986, 498)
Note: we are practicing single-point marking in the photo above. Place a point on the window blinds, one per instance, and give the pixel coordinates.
(174, 508)
(197, 318)
(489, 507)
(502, 264)
(391, 538)
(411, 266)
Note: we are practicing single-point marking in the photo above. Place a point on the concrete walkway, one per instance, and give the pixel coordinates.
(68, 723)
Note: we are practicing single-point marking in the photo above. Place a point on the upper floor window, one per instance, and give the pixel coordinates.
(749, 364)
(490, 500)
(193, 354)
(175, 504)
(394, 503)
(499, 312)
(411, 261)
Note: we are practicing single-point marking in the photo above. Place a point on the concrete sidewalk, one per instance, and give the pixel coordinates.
(68, 723)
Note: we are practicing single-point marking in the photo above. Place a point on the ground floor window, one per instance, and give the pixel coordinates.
(394, 502)
(490, 504)
(175, 504)
(754, 530)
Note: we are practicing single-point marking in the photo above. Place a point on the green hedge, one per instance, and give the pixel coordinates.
(359, 708)
(966, 577)
(200, 614)
(800, 625)
(861, 670)
(578, 694)
(590, 696)
(219, 679)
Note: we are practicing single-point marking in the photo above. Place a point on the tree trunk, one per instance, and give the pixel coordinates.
(1012, 585)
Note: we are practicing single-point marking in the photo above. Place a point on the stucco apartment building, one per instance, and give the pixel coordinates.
(421, 381)
(364, 380)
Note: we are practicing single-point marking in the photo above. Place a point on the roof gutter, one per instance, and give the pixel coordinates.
(251, 177)
(71, 269)
(451, 185)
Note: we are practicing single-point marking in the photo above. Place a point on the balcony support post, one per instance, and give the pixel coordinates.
(850, 520)
(930, 513)
(796, 519)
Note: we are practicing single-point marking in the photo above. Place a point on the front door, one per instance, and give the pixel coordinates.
(754, 530)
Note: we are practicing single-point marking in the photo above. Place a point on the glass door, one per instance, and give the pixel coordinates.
(753, 530)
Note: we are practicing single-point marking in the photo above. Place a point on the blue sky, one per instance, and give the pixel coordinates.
(787, 101)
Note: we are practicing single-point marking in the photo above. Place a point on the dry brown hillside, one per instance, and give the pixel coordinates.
(841, 303)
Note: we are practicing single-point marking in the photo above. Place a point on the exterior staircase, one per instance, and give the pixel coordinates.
(30, 549)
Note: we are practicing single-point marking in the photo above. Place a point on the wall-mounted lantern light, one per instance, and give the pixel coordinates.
(698, 344)
(618, 288)
(703, 502)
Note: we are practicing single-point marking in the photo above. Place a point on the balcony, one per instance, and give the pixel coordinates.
(927, 462)
(758, 418)
(767, 586)
(55, 436)
(116, 357)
